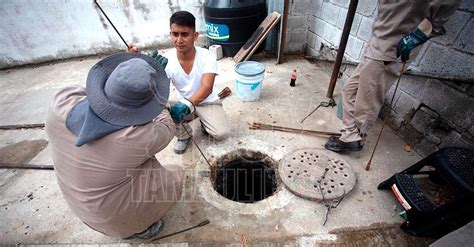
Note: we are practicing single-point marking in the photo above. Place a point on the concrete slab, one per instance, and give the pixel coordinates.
(461, 237)
(33, 211)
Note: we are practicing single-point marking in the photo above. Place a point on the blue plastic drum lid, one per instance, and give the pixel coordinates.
(249, 68)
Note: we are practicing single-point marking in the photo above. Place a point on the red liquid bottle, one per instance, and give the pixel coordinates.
(293, 78)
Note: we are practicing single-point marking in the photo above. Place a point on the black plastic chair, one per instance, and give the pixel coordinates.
(452, 166)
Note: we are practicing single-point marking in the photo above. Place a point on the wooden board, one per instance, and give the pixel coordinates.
(262, 38)
(256, 36)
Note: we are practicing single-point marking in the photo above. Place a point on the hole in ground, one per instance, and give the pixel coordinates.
(246, 179)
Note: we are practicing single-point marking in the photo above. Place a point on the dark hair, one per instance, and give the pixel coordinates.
(183, 18)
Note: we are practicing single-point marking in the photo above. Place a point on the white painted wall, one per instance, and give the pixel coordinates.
(33, 31)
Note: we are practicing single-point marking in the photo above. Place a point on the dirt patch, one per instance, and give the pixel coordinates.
(376, 235)
(21, 152)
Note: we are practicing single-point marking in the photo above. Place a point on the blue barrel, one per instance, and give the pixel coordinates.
(230, 23)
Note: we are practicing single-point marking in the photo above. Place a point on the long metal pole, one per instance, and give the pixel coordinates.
(342, 46)
(185, 230)
(195, 143)
(281, 51)
(101, 10)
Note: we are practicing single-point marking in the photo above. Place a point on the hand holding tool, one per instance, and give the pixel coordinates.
(413, 39)
(181, 109)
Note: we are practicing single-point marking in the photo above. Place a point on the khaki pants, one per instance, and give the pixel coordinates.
(363, 96)
(213, 119)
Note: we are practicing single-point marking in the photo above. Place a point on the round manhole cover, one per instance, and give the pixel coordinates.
(312, 175)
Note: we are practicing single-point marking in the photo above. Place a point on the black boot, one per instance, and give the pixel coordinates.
(336, 145)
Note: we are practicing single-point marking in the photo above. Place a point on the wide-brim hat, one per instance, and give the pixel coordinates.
(120, 114)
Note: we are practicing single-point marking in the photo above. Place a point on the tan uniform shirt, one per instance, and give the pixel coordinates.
(396, 18)
(113, 184)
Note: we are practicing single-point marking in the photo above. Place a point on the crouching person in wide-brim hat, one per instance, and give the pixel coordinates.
(104, 139)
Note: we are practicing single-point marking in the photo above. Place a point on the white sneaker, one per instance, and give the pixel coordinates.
(181, 145)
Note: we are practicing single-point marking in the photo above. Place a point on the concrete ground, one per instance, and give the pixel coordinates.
(32, 210)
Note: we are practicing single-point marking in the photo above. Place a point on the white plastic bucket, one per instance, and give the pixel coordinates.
(249, 79)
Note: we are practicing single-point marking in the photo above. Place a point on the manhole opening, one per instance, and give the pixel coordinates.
(245, 178)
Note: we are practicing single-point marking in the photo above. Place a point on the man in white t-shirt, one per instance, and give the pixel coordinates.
(192, 70)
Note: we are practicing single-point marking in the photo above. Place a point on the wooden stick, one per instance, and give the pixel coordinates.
(224, 93)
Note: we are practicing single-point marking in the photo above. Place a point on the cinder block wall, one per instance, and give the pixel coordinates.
(297, 26)
(327, 21)
(430, 114)
(430, 111)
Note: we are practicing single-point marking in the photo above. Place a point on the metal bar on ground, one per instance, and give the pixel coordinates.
(185, 230)
(329, 103)
(262, 126)
(25, 166)
(342, 46)
(21, 126)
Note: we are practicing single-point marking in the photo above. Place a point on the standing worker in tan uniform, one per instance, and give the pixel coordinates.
(103, 141)
(398, 31)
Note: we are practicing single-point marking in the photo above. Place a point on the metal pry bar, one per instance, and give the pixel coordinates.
(101, 10)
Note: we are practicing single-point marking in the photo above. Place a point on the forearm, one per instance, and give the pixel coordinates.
(426, 27)
(163, 132)
(164, 119)
(201, 94)
(207, 84)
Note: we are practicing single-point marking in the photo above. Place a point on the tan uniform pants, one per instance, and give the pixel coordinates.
(363, 96)
(213, 118)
